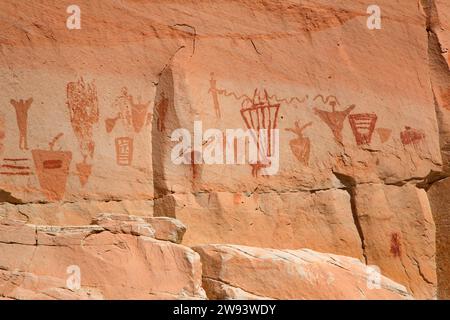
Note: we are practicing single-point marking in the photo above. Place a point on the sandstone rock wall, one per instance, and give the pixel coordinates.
(86, 119)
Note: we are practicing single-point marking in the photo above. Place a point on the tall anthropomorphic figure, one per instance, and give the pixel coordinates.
(22, 120)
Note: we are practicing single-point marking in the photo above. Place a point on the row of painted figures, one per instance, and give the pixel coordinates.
(257, 111)
(261, 110)
(52, 166)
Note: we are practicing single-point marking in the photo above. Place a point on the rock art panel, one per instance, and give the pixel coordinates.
(21, 107)
(320, 221)
(52, 169)
(321, 46)
(82, 102)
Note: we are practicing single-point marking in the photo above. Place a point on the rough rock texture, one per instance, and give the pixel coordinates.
(87, 115)
(240, 272)
(440, 205)
(116, 261)
(321, 221)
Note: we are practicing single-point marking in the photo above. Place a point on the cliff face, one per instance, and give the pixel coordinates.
(356, 125)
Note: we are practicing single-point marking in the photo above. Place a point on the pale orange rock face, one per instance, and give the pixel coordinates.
(321, 221)
(399, 235)
(87, 117)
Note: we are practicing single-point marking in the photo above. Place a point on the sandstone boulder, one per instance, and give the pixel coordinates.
(238, 272)
(113, 264)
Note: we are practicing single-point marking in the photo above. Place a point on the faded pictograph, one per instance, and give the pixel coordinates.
(139, 112)
(161, 111)
(73, 281)
(133, 115)
(52, 169)
(15, 167)
(196, 168)
(258, 113)
(234, 146)
(124, 151)
(300, 146)
(411, 136)
(396, 246)
(216, 92)
(82, 102)
(384, 134)
(334, 119)
(2, 131)
(21, 107)
(363, 125)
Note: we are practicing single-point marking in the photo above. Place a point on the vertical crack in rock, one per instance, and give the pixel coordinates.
(194, 34)
(439, 72)
(350, 184)
(254, 47)
(164, 90)
(164, 113)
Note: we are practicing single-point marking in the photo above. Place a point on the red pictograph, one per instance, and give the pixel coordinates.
(258, 113)
(301, 146)
(2, 131)
(22, 108)
(363, 125)
(411, 136)
(52, 168)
